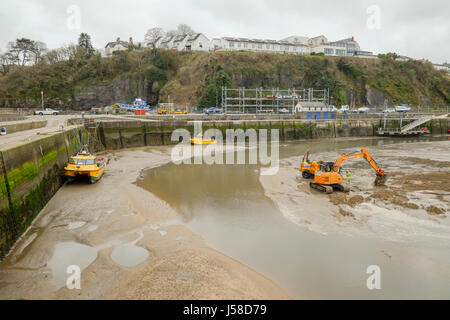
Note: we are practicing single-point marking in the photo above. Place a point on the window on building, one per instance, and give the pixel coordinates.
(328, 51)
(268, 46)
(259, 46)
(340, 52)
(245, 45)
(231, 44)
(239, 44)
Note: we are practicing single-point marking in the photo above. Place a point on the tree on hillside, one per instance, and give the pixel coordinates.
(213, 93)
(40, 48)
(6, 62)
(184, 30)
(23, 51)
(152, 35)
(84, 41)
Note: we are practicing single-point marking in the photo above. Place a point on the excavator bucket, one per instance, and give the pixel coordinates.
(380, 180)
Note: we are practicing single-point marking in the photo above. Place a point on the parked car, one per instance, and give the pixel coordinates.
(284, 110)
(389, 110)
(212, 110)
(46, 111)
(344, 109)
(265, 111)
(363, 110)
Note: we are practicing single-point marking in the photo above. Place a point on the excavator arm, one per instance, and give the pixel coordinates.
(381, 175)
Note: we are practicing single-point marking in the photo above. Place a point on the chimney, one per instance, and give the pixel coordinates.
(118, 39)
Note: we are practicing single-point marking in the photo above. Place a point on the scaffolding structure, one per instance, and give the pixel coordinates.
(259, 100)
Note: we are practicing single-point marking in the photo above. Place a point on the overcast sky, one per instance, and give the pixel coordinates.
(416, 28)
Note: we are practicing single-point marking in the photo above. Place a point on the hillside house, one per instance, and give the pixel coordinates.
(117, 45)
(197, 42)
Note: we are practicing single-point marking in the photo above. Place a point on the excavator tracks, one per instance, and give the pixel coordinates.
(329, 189)
(321, 188)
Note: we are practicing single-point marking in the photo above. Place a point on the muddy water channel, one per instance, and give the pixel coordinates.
(228, 206)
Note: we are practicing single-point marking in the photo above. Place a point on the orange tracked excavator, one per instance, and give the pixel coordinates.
(327, 177)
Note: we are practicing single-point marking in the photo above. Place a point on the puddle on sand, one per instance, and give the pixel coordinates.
(92, 228)
(67, 254)
(129, 255)
(75, 225)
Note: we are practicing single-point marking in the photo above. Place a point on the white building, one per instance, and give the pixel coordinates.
(445, 67)
(193, 42)
(258, 45)
(312, 106)
(117, 45)
(403, 58)
(317, 41)
(365, 54)
(166, 42)
(197, 42)
(179, 43)
(330, 50)
(350, 45)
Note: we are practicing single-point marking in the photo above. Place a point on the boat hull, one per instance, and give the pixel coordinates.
(93, 175)
(200, 141)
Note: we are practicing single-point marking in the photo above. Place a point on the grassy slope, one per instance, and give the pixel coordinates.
(185, 75)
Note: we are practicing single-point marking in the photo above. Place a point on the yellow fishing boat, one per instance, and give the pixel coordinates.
(199, 140)
(85, 164)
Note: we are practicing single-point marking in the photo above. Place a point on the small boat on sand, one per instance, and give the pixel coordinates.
(199, 140)
(85, 164)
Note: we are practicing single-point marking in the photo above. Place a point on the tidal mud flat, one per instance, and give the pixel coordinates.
(315, 245)
(221, 231)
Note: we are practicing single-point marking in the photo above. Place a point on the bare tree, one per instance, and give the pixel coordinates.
(171, 33)
(40, 48)
(184, 30)
(152, 36)
(6, 62)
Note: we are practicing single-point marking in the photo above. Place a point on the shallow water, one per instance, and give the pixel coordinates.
(226, 205)
(129, 255)
(67, 254)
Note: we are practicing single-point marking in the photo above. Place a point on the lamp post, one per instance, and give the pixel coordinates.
(168, 103)
(42, 100)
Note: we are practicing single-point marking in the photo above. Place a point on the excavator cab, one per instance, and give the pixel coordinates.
(326, 166)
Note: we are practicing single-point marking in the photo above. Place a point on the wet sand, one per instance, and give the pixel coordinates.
(93, 225)
(275, 239)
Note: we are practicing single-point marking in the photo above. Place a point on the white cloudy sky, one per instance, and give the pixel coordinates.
(416, 28)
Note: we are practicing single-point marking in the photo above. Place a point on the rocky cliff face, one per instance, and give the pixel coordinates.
(116, 91)
(186, 75)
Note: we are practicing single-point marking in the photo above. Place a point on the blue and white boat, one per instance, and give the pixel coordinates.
(138, 104)
(402, 108)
